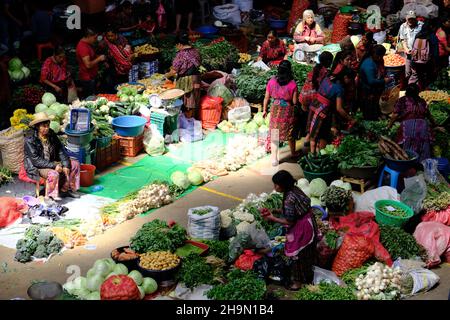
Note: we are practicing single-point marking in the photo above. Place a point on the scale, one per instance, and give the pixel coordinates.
(168, 102)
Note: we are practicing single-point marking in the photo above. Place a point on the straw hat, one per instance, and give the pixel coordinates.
(172, 94)
(38, 118)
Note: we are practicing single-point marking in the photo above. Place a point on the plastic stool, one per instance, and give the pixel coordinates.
(394, 177)
(41, 46)
(205, 9)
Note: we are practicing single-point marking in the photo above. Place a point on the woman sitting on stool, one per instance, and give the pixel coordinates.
(45, 157)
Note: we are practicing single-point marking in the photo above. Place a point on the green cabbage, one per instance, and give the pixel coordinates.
(149, 285)
(315, 202)
(93, 296)
(15, 64)
(136, 276)
(17, 75)
(121, 269)
(51, 113)
(124, 98)
(59, 109)
(180, 179)
(94, 282)
(40, 108)
(48, 99)
(26, 72)
(251, 127)
(195, 177)
(317, 187)
(55, 126)
(258, 118)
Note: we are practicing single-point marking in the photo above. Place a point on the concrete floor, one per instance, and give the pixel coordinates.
(15, 280)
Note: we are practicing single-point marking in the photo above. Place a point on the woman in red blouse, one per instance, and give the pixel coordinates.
(54, 74)
(273, 50)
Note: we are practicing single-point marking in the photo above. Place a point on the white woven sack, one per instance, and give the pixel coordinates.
(12, 148)
(204, 226)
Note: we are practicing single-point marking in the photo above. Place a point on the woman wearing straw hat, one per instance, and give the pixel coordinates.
(45, 157)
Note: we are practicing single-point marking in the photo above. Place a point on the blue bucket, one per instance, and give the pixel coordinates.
(129, 126)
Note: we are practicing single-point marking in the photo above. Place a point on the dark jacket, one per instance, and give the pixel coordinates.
(34, 154)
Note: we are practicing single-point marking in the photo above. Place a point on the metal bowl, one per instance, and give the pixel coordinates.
(45, 291)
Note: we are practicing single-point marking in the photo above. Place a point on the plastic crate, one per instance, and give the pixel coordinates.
(386, 219)
(167, 125)
(131, 146)
(103, 142)
(106, 156)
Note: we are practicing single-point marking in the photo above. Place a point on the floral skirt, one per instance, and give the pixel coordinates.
(319, 121)
(282, 118)
(56, 181)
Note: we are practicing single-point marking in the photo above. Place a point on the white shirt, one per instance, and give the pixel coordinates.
(408, 34)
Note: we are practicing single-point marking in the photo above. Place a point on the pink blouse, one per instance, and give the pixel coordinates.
(303, 30)
(281, 92)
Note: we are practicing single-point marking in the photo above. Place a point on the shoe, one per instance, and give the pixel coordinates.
(56, 199)
(72, 194)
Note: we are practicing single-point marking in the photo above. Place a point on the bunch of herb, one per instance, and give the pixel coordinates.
(379, 128)
(240, 286)
(350, 276)
(440, 110)
(400, 244)
(357, 152)
(157, 236)
(300, 73)
(218, 54)
(331, 238)
(195, 271)
(251, 83)
(6, 176)
(325, 291)
(218, 248)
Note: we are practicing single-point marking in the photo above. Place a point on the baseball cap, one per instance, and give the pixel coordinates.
(411, 15)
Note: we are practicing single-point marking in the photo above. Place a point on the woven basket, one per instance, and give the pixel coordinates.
(12, 149)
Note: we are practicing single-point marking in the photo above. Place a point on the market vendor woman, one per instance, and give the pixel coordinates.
(185, 67)
(301, 233)
(273, 50)
(44, 157)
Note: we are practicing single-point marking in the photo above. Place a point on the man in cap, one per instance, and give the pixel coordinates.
(45, 157)
(407, 34)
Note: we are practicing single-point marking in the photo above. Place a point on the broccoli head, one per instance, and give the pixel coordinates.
(22, 256)
(45, 237)
(32, 232)
(55, 246)
(26, 245)
(41, 251)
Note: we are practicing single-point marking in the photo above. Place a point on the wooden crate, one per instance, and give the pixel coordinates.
(106, 156)
(131, 146)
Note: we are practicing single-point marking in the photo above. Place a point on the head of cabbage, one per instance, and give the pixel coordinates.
(180, 179)
(251, 127)
(48, 99)
(16, 75)
(26, 71)
(258, 118)
(40, 108)
(15, 64)
(195, 177)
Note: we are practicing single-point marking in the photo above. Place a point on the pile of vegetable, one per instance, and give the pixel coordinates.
(6, 176)
(355, 152)
(337, 199)
(380, 283)
(38, 243)
(440, 110)
(399, 243)
(391, 150)
(314, 189)
(251, 83)
(158, 236)
(438, 197)
(195, 271)
(125, 254)
(325, 291)
(394, 60)
(130, 101)
(300, 72)
(244, 57)
(392, 210)
(27, 96)
(57, 112)
(434, 96)
(17, 71)
(217, 55)
(240, 286)
(159, 260)
(375, 129)
(98, 283)
(258, 125)
(318, 163)
(145, 50)
(218, 248)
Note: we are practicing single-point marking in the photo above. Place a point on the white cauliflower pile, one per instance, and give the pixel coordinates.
(225, 219)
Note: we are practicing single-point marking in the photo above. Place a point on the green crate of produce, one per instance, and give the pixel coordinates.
(382, 217)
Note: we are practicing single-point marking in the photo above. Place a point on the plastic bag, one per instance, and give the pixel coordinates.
(240, 114)
(184, 293)
(154, 142)
(246, 260)
(322, 275)
(190, 130)
(414, 193)
(431, 170)
(228, 13)
(205, 226)
(422, 279)
(220, 90)
(11, 210)
(261, 65)
(252, 238)
(366, 201)
(435, 238)
(355, 250)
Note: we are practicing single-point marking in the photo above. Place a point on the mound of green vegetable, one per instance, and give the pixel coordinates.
(157, 236)
(399, 243)
(195, 271)
(38, 243)
(251, 83)
(240, 286)
(355, 152)
(326, 291)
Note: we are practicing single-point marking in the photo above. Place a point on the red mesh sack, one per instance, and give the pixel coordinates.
(10, 210)
(246, 260)
(210, 111)
(355, 250)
